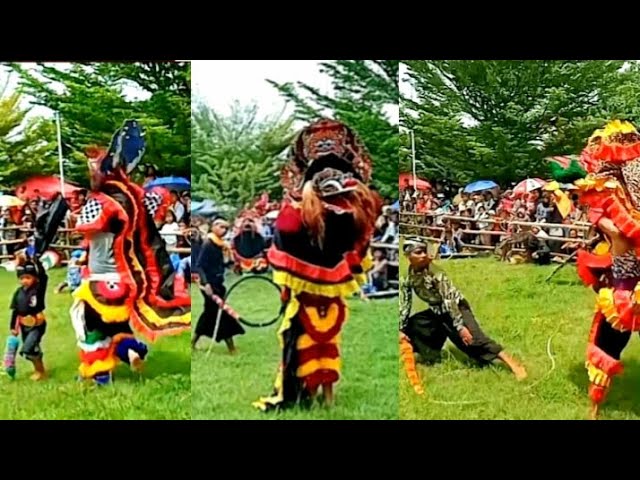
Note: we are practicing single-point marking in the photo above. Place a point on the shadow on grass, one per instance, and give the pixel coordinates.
(167, 363)
(624, 395)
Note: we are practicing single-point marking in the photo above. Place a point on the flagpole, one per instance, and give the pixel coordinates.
(60, 153)
(413, 161)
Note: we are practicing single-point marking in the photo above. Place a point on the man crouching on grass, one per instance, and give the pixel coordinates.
(449, 314)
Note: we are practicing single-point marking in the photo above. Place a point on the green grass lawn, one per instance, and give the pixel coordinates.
(518, 309)
(223, 386)
(163, 391)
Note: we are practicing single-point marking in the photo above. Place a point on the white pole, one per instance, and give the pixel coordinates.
(60, 153)
(413, 161)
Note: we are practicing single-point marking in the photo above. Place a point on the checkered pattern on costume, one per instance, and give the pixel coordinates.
(152, 202)
(90, 212)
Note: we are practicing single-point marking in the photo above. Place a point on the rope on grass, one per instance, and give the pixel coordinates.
(529, 387)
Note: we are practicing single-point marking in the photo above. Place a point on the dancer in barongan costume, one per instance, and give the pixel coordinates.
(248, 245)
(319, 256)
(611, 191)
(129, 282)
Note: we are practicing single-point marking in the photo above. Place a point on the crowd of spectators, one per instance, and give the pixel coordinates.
(499, 213)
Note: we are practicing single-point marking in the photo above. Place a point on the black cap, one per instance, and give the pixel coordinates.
(28, 268)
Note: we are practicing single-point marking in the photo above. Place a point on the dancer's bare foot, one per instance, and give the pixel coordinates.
(38, 376)
(327, 393)
(518, 370)
(135, 361)
(231, 346)
(593, 412)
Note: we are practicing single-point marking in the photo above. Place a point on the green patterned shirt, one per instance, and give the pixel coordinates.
(433, 288)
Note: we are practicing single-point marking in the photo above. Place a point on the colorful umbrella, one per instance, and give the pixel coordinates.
(49, 187)
(408, 177)
(528, 185)
(7, 201)
(480, 185)
(172, 183)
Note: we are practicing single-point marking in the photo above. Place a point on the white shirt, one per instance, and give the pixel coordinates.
(178, 210)
(170, 240)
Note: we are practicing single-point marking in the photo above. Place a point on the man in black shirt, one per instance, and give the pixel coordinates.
(210, 266)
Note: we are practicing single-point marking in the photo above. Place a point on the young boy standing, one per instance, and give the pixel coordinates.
(27, 312)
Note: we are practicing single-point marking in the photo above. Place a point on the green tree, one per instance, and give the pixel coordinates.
(237, 157)
(93, 102)
(476, 119)
(27, 145)
(362, 90)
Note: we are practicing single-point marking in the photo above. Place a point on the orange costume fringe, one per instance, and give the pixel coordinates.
(610, 192)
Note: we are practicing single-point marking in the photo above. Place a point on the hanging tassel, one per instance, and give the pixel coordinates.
(406, 354)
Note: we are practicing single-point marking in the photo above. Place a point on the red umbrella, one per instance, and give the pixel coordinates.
(49, 187)
(420, 184)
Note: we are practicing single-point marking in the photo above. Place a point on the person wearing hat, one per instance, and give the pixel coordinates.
(210, 266)
(27, 311)
(449, 314)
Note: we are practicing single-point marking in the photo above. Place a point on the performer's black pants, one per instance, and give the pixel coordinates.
(228, 327)
(428, 331)
(610, 340)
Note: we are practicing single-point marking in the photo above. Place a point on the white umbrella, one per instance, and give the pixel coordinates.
(528, 185)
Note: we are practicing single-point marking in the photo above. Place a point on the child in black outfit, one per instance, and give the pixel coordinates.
(27, 312)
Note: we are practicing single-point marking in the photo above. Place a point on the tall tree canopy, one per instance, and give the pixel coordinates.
(94, 99)
(27, 145)
(479, 119)
(362, 90)
(237, 157)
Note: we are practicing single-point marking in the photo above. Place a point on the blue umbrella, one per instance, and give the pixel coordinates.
(396, 206)
(172, 183)
(479, 186)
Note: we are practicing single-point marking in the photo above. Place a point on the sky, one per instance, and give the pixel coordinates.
(221, 82)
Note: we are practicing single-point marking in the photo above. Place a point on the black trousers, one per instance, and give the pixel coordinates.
(31, 338)
(610, 340)
(229, 326)
(428, 331)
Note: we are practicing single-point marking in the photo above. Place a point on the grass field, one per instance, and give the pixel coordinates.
(163, 391)
(223, 386)
(518, 309)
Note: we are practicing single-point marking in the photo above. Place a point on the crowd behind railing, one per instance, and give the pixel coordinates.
(472, 222)
(17, 225)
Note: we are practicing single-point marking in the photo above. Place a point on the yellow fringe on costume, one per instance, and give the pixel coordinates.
(151, 316)
(298, 285)
(605, 303)
(597, 376)
(107, 365)
(108, 313)
(612, 128)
